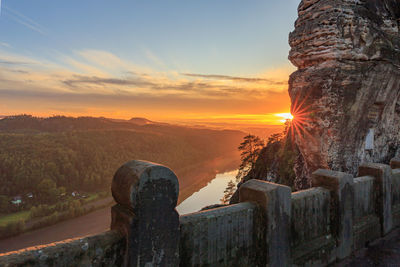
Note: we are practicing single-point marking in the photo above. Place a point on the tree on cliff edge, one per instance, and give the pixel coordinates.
(229, 191)
(272, 163)
(250, 149)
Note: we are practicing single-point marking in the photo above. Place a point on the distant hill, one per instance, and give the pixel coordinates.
(142, 121)
(138, 121)
(31, 124)
(83, 153)
(60, 123)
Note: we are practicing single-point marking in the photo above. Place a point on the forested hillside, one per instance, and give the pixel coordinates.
(47, 157)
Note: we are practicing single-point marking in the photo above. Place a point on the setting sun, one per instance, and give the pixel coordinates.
(285, 116)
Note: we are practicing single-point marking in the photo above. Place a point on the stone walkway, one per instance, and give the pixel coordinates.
(384, 253)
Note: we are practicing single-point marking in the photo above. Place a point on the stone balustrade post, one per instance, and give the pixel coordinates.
(341, 186)
(383, 187)
(146, 194)
(275, 202)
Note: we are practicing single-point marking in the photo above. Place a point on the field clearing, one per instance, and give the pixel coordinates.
(14, 217)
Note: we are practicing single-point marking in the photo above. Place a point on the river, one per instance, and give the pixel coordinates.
(200, 186)
(208, 195)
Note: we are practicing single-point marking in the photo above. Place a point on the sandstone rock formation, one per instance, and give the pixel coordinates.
(347, 84)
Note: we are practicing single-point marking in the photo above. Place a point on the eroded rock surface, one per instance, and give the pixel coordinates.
(347, 83)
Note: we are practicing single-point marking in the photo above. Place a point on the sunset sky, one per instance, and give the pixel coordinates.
(212, 62)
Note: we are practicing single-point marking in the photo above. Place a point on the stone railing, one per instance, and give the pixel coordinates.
(270, 226)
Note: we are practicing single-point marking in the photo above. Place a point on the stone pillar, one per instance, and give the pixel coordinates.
(146, 196)
(395, 163)
(383, 187)
(341, 186)
(275, 202)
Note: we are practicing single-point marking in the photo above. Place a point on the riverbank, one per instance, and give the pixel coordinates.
(191, 180)
(24, 221)
(93, 223)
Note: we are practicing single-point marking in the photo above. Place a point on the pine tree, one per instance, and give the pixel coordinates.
(250, 150)
(230, 189)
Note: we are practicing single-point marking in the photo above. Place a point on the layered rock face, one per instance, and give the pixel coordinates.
(346, 92)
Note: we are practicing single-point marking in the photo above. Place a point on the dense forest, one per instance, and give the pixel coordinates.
(48, 157)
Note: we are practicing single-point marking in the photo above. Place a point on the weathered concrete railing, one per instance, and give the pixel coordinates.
(146, 196)
(271, 226)
(222, 237)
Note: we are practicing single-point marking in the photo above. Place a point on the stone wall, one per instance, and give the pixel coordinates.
(311, 238)
(365, 219)
(270, 226)
(225, 236)
(396, 194)
(107, 249)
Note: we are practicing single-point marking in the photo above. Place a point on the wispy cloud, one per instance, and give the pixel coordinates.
(5, 44)
(11, 59)
(103, 80)
(233, 78)
(79, 80)
(24, 20)
(153, 58)
(156, 85)
(7, 62)
(90, 71)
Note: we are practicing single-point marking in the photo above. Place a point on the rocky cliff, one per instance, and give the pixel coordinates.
(346, 92)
